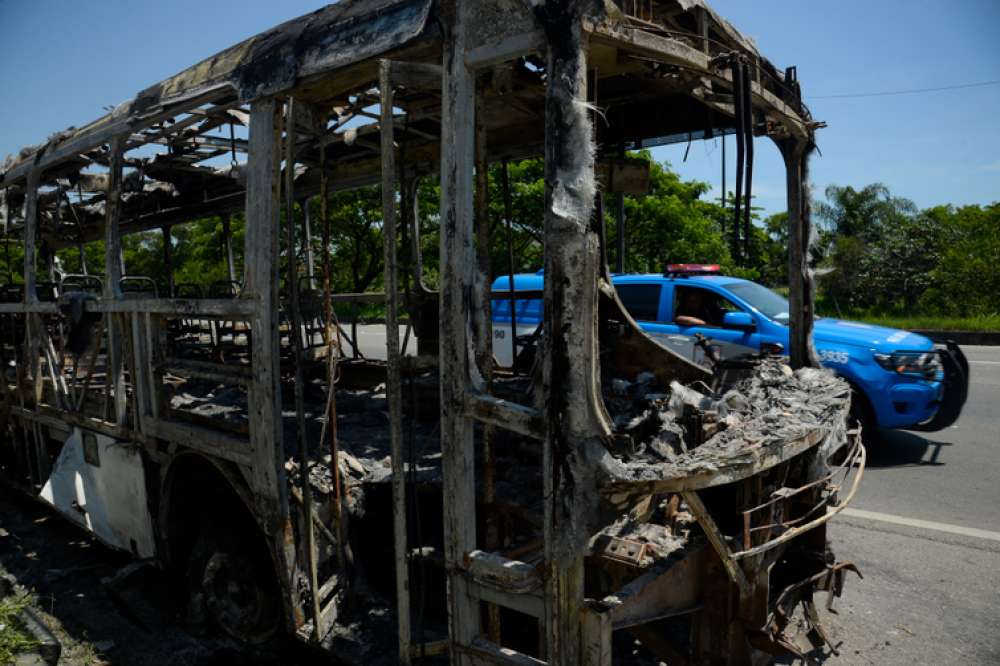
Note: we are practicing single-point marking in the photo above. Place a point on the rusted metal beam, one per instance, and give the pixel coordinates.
(416, 75)
(521, 419)
(663, 591)
(813, 524)
(209, 441)
(718, 541)
(295, 340)
(329, 321)
(510, 48)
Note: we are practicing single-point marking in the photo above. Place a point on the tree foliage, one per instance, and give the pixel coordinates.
(966, 278)
(888, 257)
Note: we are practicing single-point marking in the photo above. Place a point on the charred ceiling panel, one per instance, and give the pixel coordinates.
(335, 36)
(340, 34)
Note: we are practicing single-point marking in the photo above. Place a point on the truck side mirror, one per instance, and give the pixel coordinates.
(738, 320)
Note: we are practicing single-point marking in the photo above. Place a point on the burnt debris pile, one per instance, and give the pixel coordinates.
(696, 429)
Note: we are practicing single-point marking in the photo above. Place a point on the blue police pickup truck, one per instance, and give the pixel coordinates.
(900, 379)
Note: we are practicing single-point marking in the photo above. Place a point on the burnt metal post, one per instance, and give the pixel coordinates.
(112, 280)
(457, 272)
(738, 102)
(620, 226)
(483, 321)
(800, 282)
(168, 259)
(30, 235)
(32, 344)
(748, 129)
(723, 139)
(270, 488)
(307, 241)
(329, 324)
(394, 389)
(261, 286)
(570, 362)
(227, 247)
(507, 213)
(296, 344)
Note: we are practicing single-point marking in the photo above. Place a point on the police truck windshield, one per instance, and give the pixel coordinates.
(770, 304)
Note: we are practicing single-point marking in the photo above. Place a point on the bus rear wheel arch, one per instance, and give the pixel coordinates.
(225, 575)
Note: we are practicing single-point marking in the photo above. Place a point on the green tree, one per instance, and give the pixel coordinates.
(672, 224)
(775, 271)
(898, 266)
(850, 220)
(861, 213)
(966, 279)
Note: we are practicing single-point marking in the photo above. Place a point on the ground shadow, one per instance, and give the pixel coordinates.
(901, 448)
(132, 623)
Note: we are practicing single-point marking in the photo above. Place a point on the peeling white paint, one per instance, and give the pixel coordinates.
(109, 498)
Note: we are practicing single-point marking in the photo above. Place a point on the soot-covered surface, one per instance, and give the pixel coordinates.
(757, 416)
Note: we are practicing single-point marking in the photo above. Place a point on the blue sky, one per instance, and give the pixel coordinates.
(64, 61)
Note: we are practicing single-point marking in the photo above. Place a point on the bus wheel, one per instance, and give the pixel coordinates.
(239, 593)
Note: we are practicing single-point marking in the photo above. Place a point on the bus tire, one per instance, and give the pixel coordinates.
(232, 588)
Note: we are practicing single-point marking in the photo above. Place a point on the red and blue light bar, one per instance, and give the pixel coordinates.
(692, 269)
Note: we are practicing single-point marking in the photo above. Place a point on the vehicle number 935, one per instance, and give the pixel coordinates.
(829, 356)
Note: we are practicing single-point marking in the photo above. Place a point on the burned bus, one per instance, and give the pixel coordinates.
(430, 504)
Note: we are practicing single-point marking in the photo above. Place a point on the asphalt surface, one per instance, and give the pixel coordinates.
(931, 593)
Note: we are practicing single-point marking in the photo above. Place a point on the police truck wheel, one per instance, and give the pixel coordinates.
(861, 414)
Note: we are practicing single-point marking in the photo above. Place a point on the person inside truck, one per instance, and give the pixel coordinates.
(700, 307)
(693, 308)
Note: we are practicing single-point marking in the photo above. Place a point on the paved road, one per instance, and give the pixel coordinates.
(371, 340)
(931, 593)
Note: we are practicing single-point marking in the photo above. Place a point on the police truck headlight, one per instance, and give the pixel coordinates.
(923, 364)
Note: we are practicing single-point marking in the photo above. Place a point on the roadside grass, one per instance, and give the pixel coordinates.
(900, 318)
(927, 322)
(14, 639)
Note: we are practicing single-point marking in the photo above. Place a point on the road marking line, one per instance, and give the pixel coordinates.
(925, 524)
(984, 362)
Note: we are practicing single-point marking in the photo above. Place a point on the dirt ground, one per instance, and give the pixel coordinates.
(131, 620)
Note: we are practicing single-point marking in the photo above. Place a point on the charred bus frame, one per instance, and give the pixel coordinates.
(462, 86)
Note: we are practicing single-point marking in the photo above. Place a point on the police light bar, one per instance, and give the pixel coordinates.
(692, 269)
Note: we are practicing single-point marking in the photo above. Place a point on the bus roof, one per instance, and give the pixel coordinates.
(335, 36)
